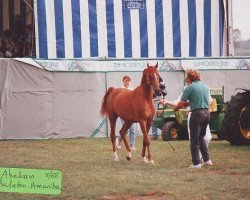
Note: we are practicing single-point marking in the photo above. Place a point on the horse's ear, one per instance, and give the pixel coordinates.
(147, 65)
(156, 66)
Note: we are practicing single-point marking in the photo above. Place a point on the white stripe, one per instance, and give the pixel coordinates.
(51, 33)
(84, 12)
(200, 28)
(184, 29)
(101, 28)
(224, 51)
(36, 30)
(168, 28)
(151, 29)
(119, 35)
(135, 29)
(215, 28)
(68, 29)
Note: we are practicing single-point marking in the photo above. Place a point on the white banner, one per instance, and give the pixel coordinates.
(105, 66)
(210, 64)
(138, 65)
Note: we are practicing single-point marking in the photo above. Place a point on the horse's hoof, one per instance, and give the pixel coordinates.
(152, 162)
(128, 158)
(145, 160)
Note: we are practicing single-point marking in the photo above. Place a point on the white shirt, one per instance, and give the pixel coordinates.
(129, 88)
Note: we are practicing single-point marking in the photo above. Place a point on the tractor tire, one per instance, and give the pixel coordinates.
(170, 131)
(237, 119)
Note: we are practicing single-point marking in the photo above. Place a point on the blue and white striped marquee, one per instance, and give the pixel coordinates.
(129, 28)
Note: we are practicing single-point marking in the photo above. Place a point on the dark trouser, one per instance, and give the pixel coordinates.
(198, 123)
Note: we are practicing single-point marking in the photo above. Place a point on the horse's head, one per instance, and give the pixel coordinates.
(151, 77)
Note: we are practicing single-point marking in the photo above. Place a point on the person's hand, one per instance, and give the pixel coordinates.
(186, 104)
(175, 109)
(162, 101)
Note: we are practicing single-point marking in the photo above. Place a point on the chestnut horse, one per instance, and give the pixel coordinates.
(134, 106)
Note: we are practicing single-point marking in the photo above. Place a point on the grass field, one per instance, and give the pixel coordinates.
(89, 171)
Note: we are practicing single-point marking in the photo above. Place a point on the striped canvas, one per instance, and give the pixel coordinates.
(108, 28)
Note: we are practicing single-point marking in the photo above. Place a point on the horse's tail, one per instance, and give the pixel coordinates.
(104, 110)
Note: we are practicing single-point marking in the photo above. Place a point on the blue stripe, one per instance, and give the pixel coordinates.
(207, 28)
(93, 28)
(127, 33)
(176, 28)
(192, 28)
(159, 28)
(1, 17)
(76, 23)
(60, 43)
(42, 29)
(11, 15)
(221, 25)
(143, 31)
(110, 28)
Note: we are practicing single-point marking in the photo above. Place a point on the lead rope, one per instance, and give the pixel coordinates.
(171, 146)
(157, 115)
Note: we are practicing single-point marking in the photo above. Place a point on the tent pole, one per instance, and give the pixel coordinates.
(230, 41)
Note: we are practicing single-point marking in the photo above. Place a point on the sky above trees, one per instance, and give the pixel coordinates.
(241, 17)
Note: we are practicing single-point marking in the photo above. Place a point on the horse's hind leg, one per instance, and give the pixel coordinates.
(123, 133)
(112, 121)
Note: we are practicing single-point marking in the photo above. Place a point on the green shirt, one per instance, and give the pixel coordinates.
(197, 94)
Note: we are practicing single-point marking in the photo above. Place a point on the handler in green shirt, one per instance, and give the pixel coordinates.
(197, 96)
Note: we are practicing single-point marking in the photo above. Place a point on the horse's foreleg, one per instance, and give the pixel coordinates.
(144, 131)
(113, 137)
(123, 133)
(149, 124)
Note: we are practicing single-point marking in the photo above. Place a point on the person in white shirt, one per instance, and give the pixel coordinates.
(126, 84)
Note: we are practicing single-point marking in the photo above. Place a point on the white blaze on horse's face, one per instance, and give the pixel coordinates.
(155, 81)
(152, 77)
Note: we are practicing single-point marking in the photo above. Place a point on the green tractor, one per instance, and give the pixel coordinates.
(174, 124)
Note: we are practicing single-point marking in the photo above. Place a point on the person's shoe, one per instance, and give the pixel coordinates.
(208, 163)
(154, 137)
(195, 166)
(118, 144)
(132, 147)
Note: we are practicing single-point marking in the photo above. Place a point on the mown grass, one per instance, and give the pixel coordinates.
(89, 171)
